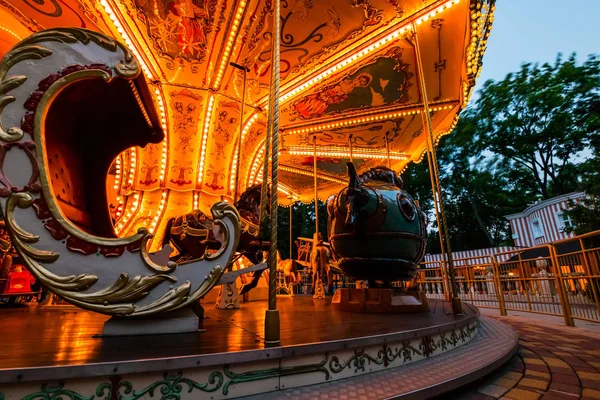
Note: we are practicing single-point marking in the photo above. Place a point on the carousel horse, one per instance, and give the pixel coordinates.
(194, 234)
(319, 261)
(289, 268)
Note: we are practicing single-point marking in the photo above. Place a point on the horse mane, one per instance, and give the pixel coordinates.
(244, 202)
(381, 174)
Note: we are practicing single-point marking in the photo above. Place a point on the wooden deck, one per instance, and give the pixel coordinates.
(34, 337)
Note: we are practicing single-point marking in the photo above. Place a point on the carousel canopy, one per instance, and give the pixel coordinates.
(349, 74)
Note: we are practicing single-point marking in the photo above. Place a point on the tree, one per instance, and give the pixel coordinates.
(537, 119)
(586, 214)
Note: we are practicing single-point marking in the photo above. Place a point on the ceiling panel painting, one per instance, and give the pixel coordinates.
(220, 145)
(382, 80)
(185, 107)
(44, 14)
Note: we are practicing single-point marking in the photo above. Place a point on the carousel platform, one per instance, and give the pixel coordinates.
(51, 350)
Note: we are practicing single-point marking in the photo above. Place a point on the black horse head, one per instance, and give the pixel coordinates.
(248, 205)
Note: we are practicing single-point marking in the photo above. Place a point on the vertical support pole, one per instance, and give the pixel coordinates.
(387, 150)
(315, 184)
(564, 300)
(239, 142)
(350, 145)
(290, 198)
(498, 282)
(456, 304)
(272, 324)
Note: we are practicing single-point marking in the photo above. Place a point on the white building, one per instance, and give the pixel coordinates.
(543, 222)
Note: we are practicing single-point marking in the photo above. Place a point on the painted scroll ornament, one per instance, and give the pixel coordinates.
(46, 111)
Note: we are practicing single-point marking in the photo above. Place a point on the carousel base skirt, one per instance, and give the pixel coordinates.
(56, 349)
(387, 301)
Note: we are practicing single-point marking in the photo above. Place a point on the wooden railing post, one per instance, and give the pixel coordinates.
(499, 291)
(564, 301)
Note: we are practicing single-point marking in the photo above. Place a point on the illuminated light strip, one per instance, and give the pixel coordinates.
(113, 17)
(235, 152)
(477, 45)
(353, 121)
(132, 165)
(365, 51)
(159, 213)
(119, 210)
(127, 217)
(11, 33)
(163, 124)
(229, 43)
(341, 152)
(209, 110)
(138, 99)
(118, 172)
(196, 198)
(362, 120)
(257, 161)
(280, 187)
(299, 171)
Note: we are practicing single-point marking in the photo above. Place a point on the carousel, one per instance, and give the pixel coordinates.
(145, 146)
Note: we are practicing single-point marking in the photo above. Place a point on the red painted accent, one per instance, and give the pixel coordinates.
(71, 69)
(81, 246)
(45, 83)
(19, 282)
(56, 229)
(112, 251)
(27, 123)
(41, 208)
(103, 67)
(32, 102)
(135, 246)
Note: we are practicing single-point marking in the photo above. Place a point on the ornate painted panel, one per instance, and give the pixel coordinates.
(185, 108)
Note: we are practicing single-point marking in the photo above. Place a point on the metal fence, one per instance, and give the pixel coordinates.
(560, 278)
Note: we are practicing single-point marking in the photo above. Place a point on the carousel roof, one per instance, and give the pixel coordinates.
(349, 73)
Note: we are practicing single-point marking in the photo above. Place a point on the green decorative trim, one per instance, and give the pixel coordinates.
(57, 392)
(171, 386)
(174, 384)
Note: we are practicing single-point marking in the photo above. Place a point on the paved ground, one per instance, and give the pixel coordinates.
(554, 362)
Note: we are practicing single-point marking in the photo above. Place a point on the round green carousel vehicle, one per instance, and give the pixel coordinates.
(376, 228)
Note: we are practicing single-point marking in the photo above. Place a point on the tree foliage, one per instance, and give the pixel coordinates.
(520, 142)
(538, 119)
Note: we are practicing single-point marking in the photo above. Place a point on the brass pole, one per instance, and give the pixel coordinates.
(350, 141)
(387, 150)
(315, 184)
(272, 324)
(239, 143)
(444, 264)
(290, 198)
(456, 304)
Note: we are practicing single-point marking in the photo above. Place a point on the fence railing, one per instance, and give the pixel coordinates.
(560, 278)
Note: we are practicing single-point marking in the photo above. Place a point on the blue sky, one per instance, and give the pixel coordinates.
(536, 30)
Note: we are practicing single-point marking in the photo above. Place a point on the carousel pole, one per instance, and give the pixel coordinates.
(272, 324)
(442, 224)
(290, 198)
(387, 149)
(316, 190)
(350, 143)
(239, 143)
